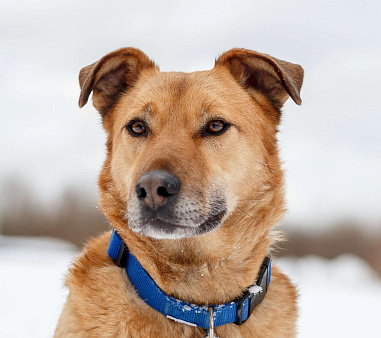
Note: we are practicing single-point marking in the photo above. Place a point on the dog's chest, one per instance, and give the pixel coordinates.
(103, 303)
(129, 316)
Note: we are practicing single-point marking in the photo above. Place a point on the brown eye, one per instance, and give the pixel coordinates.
(216, 126)
(137, 128)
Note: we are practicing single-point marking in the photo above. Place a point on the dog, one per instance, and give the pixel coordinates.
(192, 186)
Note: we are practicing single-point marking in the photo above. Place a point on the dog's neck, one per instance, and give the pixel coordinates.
(213, 268)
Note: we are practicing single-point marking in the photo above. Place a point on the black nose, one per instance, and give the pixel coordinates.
(156, 187)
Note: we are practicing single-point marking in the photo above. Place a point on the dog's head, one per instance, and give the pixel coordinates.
(186, 151)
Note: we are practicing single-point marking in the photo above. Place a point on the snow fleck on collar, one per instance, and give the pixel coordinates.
(236, 311)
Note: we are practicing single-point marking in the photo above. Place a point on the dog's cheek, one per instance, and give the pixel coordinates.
(238, 167)
(121, 171)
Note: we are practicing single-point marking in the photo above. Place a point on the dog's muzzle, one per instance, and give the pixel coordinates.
(159, 209)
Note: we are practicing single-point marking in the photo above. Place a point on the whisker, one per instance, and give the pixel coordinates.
(250, 216)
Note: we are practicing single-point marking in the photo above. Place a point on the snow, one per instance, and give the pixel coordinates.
(255, 289)
(338, 298)
(32, 295)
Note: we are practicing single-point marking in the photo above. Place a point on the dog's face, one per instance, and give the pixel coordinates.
(186, 151)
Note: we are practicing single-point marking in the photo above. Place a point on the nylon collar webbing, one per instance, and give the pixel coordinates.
(237, 311)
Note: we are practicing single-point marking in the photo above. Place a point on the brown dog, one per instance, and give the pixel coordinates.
(193, 185)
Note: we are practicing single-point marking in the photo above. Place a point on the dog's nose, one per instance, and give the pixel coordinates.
(156, 187)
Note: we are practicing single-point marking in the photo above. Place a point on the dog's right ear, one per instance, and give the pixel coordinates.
(111, 76)
(274, 78)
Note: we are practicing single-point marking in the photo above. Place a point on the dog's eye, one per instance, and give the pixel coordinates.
(137, 128)
(216, 127)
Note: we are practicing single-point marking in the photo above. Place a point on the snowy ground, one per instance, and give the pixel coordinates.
(339, 298)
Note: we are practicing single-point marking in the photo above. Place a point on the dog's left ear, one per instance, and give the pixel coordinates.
(111, 76)
(276, 79)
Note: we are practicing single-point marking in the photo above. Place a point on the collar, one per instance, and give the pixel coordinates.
(236, 311)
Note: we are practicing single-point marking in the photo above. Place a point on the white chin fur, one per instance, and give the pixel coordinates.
(161, 234)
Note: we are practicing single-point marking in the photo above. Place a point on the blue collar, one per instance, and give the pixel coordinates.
(236, 311)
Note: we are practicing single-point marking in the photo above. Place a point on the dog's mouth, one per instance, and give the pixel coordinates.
(177, 218)
(157, 227)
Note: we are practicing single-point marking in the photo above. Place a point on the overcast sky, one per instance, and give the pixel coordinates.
(331, 145)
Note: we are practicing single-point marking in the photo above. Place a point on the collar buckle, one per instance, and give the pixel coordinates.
(121, 259)
(240, 302)
(255, 293)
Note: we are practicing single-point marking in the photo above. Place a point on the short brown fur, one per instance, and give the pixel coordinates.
(248, 89)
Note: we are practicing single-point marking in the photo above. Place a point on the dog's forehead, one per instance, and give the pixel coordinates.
(178, 81)
(178, 86)
(178, 92)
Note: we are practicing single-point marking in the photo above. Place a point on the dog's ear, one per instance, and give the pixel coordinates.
(111, 76)
(276, 79)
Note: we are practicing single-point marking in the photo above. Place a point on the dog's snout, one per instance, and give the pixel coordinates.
(155, 188)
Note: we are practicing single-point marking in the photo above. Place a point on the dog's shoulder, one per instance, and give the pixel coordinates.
(98, 290)
(93, 270)
(99, 294)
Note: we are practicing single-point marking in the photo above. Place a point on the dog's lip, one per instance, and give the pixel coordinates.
(159, 221)
(163, 222)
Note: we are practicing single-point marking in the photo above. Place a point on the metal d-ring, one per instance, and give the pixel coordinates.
(211, 324)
